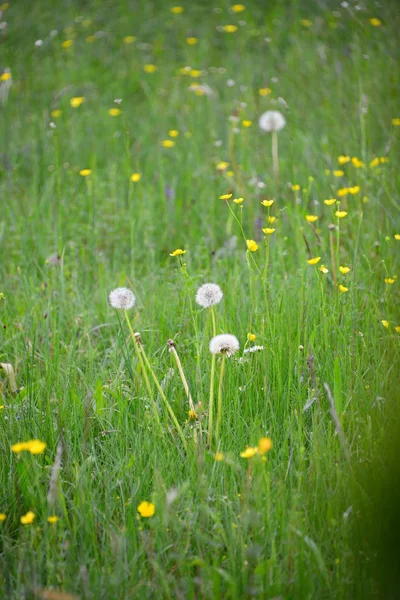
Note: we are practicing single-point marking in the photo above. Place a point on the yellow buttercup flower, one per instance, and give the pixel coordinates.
(324, 269)
(344, 270)
(251, 337)
(267, 202)
(3, 517)
(342, 159)
(342, 192)
(238, 200)
(338, 173)
(194, 72)
(265, 91)
(354, 190)
(268, 230)
(383, 159)
(90, 39)
(192, 414)
(271, 220)
(330, 201)
(375, 22)
(385, 323)
(114, 112)
(374, 162)
(396, 121)
(311, 218)
(295, 187)
(249, 452)
(168, 143)
(314, 261)
(150, 68)
(264, 445)
(252, 245)
(357, 163)
(85, 172)
(178, 252)
(397, 329)
(135, 177)
(219, 456)
(247, 123)
(55, 114)
(238, 8)
(5, 76)
(222, 165)
(343, 289)
(77, 101)
(67, 43)
(340, 214)
(230, 28)
(176, 10)
(129, 39)
(36, 446)
(192, 41)
(397, 236)
(225, 196)
(28, 518)
(173, 133)
(390, 280)
(146, 509)
(52, 519)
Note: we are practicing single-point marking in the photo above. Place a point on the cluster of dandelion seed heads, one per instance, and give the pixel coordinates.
(272, 120)
(208, 295)
(122, 298)
(224, 344)
(253, 349)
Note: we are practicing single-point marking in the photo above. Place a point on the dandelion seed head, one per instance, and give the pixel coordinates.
(122, 298)
(272, 120)
(208, 295)
(224, 344)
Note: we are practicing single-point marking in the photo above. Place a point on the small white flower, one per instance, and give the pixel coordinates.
(38, 43)
(272, 120)
(253, 349)
(224, 344)
(122, 298)
(208, 295)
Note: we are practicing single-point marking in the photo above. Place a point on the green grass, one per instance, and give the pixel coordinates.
(296, 524)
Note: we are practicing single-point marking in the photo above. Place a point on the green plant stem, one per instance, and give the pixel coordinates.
(219, 407)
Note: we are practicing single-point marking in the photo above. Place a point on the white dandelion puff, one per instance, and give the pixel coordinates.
(272, 120)
(224, 344)
(208, 295)
(122, 298)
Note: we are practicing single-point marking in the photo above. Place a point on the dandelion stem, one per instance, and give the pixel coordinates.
(138, 350)
(219, 407)
(214, 325)
(172, 349)
(275, 154)
(163, 396)
(211, 400)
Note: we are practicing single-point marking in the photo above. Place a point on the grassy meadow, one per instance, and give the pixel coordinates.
(131, 156)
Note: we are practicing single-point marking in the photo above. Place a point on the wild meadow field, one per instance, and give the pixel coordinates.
(161, 439)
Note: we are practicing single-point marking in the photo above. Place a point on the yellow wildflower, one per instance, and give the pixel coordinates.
(385, 323)
(330, 201)
(374, 162)
(306, 23)
(219, 456)
(178, 252)
(324, 269)
(268, 230)
(3, 517)
(354, 189)
(357, 163)
(28, 518)
(295, 187)
(173, 133)
(338, 173)
(135, 177)
(375, 22)
(397, 329)
(221, 166)
(264, 445)
(230, 28)
(77, 101)
(238, 8)
(36, 446)
(67, 43)
(176, 10)
(238, 200)
(311, 218)
(249, 452)
(397, 236)
(314, 261)
(168, 143)
(90, 39)
(192, 41)
(383, 159)
(247, 123)
(150, 68)
(340, 214)
(225, 196)
(85, 172)
(252, 245)
(194, 73)
(52, 519)
(114, 112)
(396, 121)
(192, 414)
(267, 202)
(264, 91)
(129, 39)
(342, 159)
(5, 76)
(271, 220)
(342, 192)
(343, 289)
(146, 509)
(229, 173)
(390, 280)
(251, 337)
(56, 113)
(344, 270)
